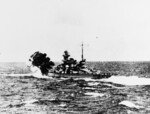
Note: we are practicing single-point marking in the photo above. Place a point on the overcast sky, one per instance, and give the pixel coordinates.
(112, 30)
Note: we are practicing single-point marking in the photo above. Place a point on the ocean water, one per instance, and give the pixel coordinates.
(28, 94)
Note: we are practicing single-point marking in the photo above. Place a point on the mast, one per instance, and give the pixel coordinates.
(82, 52)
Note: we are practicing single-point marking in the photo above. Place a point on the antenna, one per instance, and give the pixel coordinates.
(82, 50)
(82, 57)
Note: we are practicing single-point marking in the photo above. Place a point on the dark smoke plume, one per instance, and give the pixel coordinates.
(41, 61)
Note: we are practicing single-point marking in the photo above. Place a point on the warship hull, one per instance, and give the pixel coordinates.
(94, 76)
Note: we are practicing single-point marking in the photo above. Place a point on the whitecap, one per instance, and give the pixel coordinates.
(30, 102)
(92, 94)
(129, 104)
(93, 83)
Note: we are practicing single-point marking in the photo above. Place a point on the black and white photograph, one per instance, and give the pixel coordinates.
(74, 56)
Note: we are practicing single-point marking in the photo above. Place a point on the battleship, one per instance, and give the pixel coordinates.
(72, 68)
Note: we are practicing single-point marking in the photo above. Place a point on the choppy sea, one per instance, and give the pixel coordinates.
(26, 94)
